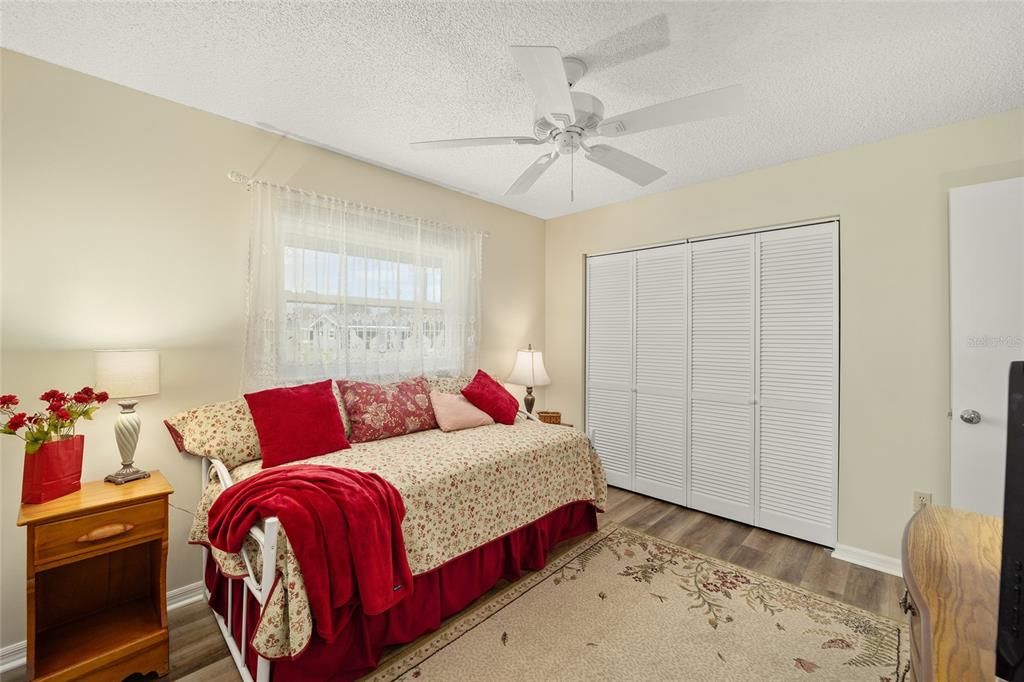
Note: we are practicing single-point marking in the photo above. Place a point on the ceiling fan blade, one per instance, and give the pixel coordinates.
(649, 36)
(531, 174)
(545, 74)
(474, 142)
(626, 165)
(711, 104)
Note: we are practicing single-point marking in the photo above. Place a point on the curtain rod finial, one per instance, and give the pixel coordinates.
(235, 176)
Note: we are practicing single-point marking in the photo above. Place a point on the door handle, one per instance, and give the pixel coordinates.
(970, 416)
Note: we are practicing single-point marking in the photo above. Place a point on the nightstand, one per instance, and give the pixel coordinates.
(97, 582)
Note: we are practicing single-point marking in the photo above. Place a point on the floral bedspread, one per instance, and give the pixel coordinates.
(461, 490)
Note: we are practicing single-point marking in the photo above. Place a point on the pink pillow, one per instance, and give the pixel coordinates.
(297, 422)
(378, 411)
(488, 395)
(454, 413)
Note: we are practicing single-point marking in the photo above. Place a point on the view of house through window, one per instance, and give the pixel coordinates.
(338, 303)
(350, 291)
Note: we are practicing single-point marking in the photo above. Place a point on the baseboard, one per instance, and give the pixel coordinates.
(13, 655)
(183, 596)
(862, 557)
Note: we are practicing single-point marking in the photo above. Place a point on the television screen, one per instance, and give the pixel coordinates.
(1010, 640)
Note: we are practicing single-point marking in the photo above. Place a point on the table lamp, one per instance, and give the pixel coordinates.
(128, 375)
(529, 371)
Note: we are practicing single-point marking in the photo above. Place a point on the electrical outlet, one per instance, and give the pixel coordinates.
(921, 499)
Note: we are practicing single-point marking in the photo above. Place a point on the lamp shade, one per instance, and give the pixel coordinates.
(529, 369)
(128, 373)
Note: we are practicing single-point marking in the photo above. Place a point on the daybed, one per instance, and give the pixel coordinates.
(482, 504)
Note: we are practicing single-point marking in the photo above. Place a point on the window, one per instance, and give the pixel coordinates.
(339, 290)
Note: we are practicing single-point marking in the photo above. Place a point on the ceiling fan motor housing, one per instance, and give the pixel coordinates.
(589, 113)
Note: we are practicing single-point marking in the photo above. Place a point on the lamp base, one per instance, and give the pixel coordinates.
(529, 399)
(125, 474)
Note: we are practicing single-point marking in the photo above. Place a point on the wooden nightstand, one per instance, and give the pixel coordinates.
(97, 582)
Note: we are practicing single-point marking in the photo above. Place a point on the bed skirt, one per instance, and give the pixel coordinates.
(436, 595)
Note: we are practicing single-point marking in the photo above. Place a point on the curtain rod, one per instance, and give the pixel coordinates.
(242, 179)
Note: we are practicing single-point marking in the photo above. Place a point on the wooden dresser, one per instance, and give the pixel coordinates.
(97, 582)
(951, 567)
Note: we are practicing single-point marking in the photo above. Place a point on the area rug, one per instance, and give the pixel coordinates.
(625, 605)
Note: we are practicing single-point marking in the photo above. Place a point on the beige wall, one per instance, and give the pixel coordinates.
(120, 229)
(894, 280)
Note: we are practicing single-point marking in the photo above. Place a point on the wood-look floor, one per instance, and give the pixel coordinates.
(198, 652)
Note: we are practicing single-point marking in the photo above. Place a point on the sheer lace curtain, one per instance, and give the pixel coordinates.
(338, 290)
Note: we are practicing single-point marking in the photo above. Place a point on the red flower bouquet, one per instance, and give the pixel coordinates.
(53, 453)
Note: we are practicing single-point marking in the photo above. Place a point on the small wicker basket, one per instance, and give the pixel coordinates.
(549, 417)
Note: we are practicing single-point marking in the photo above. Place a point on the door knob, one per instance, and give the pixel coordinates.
(970, 417)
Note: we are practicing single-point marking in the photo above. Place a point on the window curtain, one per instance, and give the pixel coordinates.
(341, 290)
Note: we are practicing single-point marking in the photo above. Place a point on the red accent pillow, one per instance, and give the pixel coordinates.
(377, 411)
(488, 395)
(297, 422)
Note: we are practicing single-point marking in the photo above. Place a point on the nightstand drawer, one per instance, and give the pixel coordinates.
(95, 532)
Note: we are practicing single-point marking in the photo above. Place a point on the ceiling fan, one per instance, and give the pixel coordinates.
(568, 119)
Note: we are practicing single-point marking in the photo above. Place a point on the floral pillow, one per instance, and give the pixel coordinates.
(223, 431)
(449, 384)
(377, 411)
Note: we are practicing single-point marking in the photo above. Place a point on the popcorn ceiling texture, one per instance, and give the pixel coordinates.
(366, 78)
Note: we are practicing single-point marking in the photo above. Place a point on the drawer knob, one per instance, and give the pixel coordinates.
(107, 531)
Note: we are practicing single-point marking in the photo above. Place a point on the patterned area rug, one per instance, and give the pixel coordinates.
(621, 604)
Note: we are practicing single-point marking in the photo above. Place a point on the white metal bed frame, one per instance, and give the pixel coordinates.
(264, 534)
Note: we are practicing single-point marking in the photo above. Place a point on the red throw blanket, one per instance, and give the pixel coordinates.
(345, 527)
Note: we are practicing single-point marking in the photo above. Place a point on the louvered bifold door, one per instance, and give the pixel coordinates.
(798, 382)
(721, 415)
(609, 399)
(659, 456)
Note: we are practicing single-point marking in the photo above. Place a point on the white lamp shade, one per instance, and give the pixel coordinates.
(128, 373)
(529, 369)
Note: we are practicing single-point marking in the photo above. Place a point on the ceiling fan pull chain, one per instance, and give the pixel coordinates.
(572, 177)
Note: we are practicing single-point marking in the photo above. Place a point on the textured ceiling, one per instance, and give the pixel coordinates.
(366, 78)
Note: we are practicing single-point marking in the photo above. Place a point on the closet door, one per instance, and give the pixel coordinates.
(798, 382)
(659, 458)
(721, 415)
(610, 363)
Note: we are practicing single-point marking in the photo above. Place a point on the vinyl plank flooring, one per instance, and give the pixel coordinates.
(778, 556)
(648, 515)
(624, 509)
(825, 575)
(675, 524)
(761, 539)
(198, 652)
(788, 559)
(221, 670)
(748, 557)
(864, 589)
(195, 641)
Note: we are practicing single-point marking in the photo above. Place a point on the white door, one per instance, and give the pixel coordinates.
(986, 273)
(721, 419)
(659, 464)
(609, 404)
(798, 363)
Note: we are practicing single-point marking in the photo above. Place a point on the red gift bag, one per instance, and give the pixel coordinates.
(53, 471)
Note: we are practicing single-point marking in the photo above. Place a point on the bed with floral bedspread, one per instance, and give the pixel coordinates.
(461, 491)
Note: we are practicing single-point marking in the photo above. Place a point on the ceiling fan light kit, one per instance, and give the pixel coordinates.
(568, 118)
